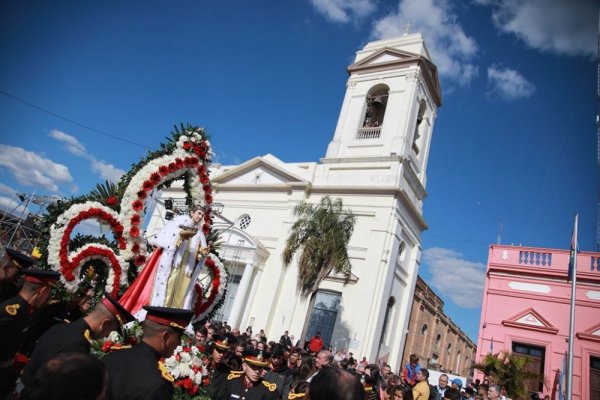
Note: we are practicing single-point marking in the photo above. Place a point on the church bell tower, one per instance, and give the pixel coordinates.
(390, 105)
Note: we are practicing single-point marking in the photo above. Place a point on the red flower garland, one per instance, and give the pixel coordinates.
(67, 267)
(216, 282)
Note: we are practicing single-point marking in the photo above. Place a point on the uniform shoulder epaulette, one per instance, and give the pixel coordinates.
(88, 336)
(164, 372)
(234, 374)
(12, 309)
(270, 386)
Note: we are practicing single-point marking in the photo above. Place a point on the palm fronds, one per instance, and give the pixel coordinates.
(320, 237)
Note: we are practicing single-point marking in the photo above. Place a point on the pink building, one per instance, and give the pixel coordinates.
(526, 307)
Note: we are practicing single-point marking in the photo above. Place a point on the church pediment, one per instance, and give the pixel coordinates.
(388, 58)
(384, 56)
(259, 171)
(530, 319)
(592, 333)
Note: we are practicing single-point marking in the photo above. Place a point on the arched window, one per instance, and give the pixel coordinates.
(449, 348)
(437, 341)
(375, 106)
(417, 133)
(424, 330)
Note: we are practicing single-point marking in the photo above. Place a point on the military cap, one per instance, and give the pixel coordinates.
(173, 317)
(224, 342)
(256, 357)
(41, 276)
(120, 313)
(19, 259)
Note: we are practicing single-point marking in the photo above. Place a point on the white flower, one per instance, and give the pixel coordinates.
(185, 357)
(114, 337)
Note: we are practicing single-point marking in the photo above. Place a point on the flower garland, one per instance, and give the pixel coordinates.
(192, 153)
(188, 156)
(69, 264)
(203, 308)
(188, 366)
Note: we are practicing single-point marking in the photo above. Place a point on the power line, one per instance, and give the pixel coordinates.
(72, 121)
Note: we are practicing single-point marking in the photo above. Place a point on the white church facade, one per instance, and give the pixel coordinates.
(376, 163)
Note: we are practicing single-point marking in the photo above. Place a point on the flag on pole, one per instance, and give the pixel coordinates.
(561, 378)
(574, 249)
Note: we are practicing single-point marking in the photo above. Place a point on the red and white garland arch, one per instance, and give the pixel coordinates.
(189, 159)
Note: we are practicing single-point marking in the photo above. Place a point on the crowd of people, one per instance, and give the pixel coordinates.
(241, 365)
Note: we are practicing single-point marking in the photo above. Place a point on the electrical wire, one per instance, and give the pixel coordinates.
(73, 121)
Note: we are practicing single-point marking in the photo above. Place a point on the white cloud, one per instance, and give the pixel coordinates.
(102, 168)
(74, 146)
(7, 189)
(12, 206)
(453, 276)
(452, 50)
(566, 27)
(508, 83)
(344, 10)
(31, 169)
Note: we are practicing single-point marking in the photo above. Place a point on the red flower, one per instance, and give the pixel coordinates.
(155, 177)
(137, 205)
(139, 260)
(135, 248)
(210, 262)
(111, 201)
(187, 162)
(106, 346)
(135, 220)
(134, 231)
(141, 195)
(201, 169)
(201, 348)
(172, 167)
(205, 229)
(187, 146)
(188, 383)
(207, 217)
(208, 198)
(207, 189)
(148, 186)
(193, 161)
(179, 163)
(122, 245)
(163, 170)
(204, 179)
(119, 229)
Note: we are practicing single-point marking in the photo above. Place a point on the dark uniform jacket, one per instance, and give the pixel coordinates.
(235, 388)
(72, 337)
(135, 374)
(15, 317)
(8, 290)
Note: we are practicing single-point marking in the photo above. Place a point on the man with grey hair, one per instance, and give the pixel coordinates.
(494, 392)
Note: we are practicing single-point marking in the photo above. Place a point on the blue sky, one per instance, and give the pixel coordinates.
(514, 143)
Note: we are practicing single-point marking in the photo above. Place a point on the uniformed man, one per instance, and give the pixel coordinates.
(76, 337)
(15, 317)
(249, 384)
(11, 266)
(221, 351)
(137, 373)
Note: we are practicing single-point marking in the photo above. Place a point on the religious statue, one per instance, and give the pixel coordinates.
(169, 276)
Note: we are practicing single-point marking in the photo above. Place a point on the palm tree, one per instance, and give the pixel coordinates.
(509, 371)
(320, 235)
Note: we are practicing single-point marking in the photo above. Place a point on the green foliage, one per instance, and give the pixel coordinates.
(320, 236)
(108, 194)
(510, 371)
